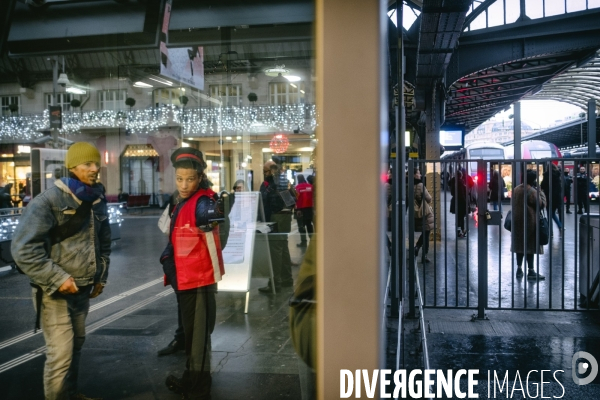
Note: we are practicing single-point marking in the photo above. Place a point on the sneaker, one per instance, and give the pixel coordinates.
(427, 260)
(534, 276)
(519, 273)
(569, 212)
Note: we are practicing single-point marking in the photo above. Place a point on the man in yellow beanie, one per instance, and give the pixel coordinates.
(62, 243)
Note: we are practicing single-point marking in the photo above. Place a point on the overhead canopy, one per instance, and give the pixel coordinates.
(576, 86)
(573, 134)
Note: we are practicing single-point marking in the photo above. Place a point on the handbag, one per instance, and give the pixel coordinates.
(164, 222)
(543, 229)
(508, 221)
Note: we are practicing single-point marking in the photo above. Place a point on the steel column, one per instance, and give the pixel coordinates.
(482, 242)
(591, 115)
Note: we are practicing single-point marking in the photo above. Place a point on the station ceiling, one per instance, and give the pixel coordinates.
(479, 73)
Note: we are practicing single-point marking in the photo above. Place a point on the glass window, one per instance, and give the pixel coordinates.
(286, 93)
(112, 99)
(62, 99)
(534, 8)
(513, 11)
(168, 96)
(7, 102)
(229, 95)
(554, 7)
(495, 13)
(575, 5)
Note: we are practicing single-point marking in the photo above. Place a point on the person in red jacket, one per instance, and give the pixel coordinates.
(193, 264)
(304, 209)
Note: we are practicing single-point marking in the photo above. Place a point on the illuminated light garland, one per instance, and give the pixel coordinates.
(193, 121)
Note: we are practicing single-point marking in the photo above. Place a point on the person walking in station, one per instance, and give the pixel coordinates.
(304, 210)
(497, 187)
(553, 174)
(458, 203)
(424, 222)
(583, 182)
(276, 210)
(62, 244)
(528, 193)
(193, 264)
(568, 182)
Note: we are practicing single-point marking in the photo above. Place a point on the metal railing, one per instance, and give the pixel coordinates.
(476, 267)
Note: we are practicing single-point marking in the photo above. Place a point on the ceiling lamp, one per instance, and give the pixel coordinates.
(63, 80)
(142, 84)
(75, 90)
(292, 78)
(160, 80)
(279, 69)
(280, 143)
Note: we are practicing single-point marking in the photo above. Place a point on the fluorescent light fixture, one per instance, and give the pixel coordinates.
(292, 78)
(163, 81)
(301, 91)
(238, 137)
(279, 69)
(184, 144)
(244, 165)
(75, 90)
(228, 137)
(306, 149)
(142, 84)
(294, 86)
(267, 150)
(183, 90)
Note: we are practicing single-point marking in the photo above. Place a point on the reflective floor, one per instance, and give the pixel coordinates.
(136, 316)
(451, 278)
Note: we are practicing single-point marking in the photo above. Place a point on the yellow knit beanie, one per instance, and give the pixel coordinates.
(81, 153)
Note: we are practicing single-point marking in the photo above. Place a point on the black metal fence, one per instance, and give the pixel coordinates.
(473, 261)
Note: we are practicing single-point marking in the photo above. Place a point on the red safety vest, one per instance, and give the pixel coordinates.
(198, 256)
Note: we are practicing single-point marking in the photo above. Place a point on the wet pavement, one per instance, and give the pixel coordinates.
(136, 316)
(451, 278)
(522, 337)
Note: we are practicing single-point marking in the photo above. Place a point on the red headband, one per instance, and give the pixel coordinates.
(184, 155)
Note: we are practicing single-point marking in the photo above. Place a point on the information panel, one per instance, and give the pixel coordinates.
(247, 252)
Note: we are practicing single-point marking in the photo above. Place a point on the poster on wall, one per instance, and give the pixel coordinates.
(183, 64)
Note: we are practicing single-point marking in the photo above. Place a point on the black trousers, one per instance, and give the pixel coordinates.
(305, 224)
(198, 314)
(520, 257)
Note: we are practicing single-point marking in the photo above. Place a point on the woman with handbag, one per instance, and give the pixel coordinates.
(529, 193)
(423, 215)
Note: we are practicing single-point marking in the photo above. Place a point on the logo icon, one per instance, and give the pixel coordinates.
(589, 366)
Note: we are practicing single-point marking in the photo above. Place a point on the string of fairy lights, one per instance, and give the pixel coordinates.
(193, 121)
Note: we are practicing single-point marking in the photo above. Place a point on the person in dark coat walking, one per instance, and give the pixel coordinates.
(458, 204)
(497, 187)
(583, 183)
(568, 182)
(555, 196)
(530, 194)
